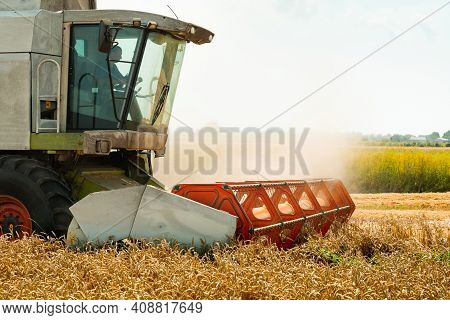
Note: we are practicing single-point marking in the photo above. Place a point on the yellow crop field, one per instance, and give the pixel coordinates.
(374, 170)
(396, 246)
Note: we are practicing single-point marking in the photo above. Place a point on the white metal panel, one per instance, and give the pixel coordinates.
(147, 213)
(15, 100)
(163, 215)
(51, 5)
(47, 33)
(35, 31)
(16, 31)
(10, 5)
(106, 216)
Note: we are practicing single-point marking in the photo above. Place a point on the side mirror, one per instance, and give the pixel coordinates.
(105, 39)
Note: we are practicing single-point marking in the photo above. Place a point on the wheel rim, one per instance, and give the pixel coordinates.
(15, 220)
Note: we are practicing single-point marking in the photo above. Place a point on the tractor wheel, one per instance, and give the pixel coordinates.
(33, 198)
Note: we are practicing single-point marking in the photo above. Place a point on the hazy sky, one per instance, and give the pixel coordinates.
(269, 54)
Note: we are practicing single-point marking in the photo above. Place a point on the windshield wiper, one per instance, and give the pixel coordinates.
(111, 83)
(161, 102)
(111, 86)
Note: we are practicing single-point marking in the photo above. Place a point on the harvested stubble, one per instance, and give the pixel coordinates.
(404, 201)
(362, 261)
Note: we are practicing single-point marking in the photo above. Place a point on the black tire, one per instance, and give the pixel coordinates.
(44, 193)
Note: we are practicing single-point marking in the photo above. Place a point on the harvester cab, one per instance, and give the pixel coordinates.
(87, 97)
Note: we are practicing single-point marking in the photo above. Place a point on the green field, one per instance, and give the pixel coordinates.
(410, 170)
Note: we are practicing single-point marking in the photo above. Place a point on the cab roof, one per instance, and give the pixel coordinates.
(178, 29)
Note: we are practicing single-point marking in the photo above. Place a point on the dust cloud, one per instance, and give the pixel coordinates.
(216, 155)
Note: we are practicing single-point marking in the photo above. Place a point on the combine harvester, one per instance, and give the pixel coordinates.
(86, 102)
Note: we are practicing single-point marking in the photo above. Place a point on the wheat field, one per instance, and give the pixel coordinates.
(395, 247)
(375, 170)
